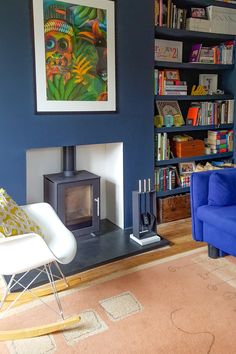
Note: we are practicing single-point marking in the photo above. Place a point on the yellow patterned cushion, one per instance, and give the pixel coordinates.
(13, 219)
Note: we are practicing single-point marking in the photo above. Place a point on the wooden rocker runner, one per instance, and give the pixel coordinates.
(23, 253)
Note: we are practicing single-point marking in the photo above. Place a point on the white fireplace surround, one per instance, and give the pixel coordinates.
(105, 160)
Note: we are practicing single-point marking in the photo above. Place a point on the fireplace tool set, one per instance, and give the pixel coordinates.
(144, 214)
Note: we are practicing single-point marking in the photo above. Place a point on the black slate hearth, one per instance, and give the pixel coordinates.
(110, 244)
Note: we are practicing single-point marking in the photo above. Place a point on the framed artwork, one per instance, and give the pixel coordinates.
(74, 44)
(168, 108)
(172, 74)
(209, 82)
(166, 50)
(199, 12)
(186, 167)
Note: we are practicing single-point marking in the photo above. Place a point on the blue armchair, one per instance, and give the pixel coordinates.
(213, 205)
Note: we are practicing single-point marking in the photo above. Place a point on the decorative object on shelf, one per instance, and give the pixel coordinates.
(187, 148)
(74, 55)
(207, 149)
(158, 121)
(178, 120)
(186, 167)
(199, 12)
(223, 19)
(214, 165)
(144, 214)
(209, 82)
(219, 92)
(198, 24)
(166, 50)
(198, 90)
(172, 74)
(168, 120)
(168, 107)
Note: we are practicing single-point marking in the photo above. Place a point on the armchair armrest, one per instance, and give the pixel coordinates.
(199, 188)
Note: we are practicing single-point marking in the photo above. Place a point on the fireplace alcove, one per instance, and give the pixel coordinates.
(74, 195)
(112, 241)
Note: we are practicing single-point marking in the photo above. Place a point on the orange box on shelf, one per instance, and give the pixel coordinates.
(188, 148)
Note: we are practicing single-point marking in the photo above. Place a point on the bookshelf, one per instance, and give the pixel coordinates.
(168, 33)
(189, 128)
(193, 66)
(204, 3)
(193, 98)
(189, 72)
(209, 157)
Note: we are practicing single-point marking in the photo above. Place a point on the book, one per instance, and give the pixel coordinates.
(169, 83)
(156, 11)
(220, 141)
(175, 93)
(195, 53)
(220, 54)
(193, 115)
(206, 55)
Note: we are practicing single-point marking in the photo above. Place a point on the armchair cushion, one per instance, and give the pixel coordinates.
(222, 188)
(13, 219)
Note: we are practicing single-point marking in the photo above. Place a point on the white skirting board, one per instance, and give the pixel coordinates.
(147, 240)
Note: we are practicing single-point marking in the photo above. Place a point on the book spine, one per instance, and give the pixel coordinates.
(160, 13)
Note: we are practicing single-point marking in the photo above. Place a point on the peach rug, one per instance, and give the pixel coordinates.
(181, 304)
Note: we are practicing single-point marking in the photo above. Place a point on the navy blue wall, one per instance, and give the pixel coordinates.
(22, 129)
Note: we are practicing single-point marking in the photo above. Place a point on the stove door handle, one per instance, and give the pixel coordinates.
(97, 200)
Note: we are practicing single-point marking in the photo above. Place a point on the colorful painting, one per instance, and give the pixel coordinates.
(74, 55)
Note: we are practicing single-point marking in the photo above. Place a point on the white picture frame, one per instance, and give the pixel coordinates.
(171, 51)
(94, 88)
(186, 168)
(209, 82)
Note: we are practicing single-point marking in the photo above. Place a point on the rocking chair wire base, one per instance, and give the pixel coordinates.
(41, 330)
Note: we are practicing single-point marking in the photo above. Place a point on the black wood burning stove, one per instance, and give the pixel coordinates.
(75, 195)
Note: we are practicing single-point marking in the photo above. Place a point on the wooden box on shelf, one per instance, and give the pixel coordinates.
(173, 208)
(188, 148)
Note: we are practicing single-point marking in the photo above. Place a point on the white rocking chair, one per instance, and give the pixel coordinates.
(22, 253)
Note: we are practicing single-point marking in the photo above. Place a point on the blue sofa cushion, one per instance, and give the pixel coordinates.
(223, 218)
(222, 188)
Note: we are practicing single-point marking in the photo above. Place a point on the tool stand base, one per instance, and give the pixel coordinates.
(147, 240)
